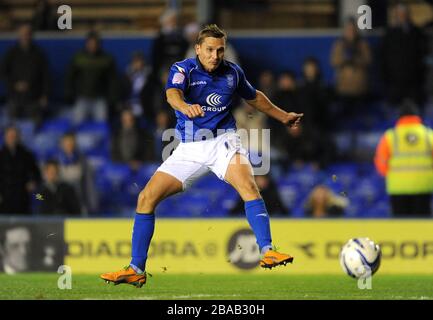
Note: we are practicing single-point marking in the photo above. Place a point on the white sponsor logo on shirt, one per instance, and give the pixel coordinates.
(196, 83)
(213, 99)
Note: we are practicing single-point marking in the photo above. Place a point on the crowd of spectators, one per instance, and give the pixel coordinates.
(133, 103)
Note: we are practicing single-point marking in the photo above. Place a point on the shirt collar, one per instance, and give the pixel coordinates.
(405, 120)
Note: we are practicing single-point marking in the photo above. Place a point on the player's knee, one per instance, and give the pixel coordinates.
(146, 199)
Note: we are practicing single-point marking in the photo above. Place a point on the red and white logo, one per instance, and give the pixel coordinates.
(178, 78)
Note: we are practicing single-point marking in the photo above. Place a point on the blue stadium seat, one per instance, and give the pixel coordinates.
(290, 192)
(344, 173)
(166, 209)
(27, 131)
(343, 142)
(336, 186)
(368, 141)
(196, 206)
(97, 158)
(298, 211)
(367, 190)
(110, 178)
(355, 208)
(380, 209)
(57, 125)
(147, 170)
(307, 177)
(45, 144)
(115, 173)
(93, 135)
(89, 141)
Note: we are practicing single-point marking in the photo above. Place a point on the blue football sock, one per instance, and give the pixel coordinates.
(258, 219)
(144, 225)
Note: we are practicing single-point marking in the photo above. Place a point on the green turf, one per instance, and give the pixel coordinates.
(265, 286)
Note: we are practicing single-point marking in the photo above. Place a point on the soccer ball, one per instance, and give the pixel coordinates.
(360, 257)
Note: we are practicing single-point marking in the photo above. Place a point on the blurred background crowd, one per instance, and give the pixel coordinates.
(86, 143)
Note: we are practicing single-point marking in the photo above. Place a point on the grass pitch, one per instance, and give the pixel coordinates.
(219, 287)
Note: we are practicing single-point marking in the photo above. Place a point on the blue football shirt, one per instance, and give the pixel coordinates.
(214, 92)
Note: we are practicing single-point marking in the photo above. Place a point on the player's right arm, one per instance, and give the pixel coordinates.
(176, 100)
(177, 84)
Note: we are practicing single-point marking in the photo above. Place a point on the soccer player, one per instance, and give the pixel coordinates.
(201, 90)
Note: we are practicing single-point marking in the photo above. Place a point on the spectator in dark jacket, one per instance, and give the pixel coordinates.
(287, 97)
(19, 175)
(77, 172)
(305, 146)
(139, 83)
(131, 144)
(25, 71)
(57, 197)
(44, 17)
(314, 97)
(403, 52)
(170, 44)
(91, 81)
(270, 195)
(267, 83)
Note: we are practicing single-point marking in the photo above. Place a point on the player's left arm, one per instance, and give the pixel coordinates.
(263, 104)
(260, 101)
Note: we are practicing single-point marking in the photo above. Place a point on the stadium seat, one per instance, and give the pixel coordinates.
(147, 170)
(57, 125)
(27, 131)
(367, 142)
(380, 209)
(307, 177)
(166, 209)
(344, 142)
(344, 173)
(93, 135)
(110, 178)
(290, 192)
(45, 144)
(298, 211)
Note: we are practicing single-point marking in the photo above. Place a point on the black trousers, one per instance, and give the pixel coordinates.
(411, 205)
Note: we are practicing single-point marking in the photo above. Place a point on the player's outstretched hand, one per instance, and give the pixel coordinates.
(193, 111)
(293, 119)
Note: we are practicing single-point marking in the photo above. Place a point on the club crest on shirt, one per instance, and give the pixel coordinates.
(230, 80)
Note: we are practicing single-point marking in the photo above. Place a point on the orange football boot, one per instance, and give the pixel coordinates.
(126, 275)
(273, 258)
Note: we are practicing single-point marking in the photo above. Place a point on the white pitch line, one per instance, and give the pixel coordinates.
(189, 296)
(186, 296)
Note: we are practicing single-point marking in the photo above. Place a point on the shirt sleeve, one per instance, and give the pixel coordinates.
(244, 88)
(177, 78)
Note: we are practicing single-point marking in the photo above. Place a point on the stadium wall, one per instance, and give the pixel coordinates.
(276, 52)
(225, 246)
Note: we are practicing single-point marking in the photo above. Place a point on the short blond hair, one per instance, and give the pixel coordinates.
(211, 30)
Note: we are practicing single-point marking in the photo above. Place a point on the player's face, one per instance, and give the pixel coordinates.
(211, 52)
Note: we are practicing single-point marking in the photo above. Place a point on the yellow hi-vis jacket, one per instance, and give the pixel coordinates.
(405, 156)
